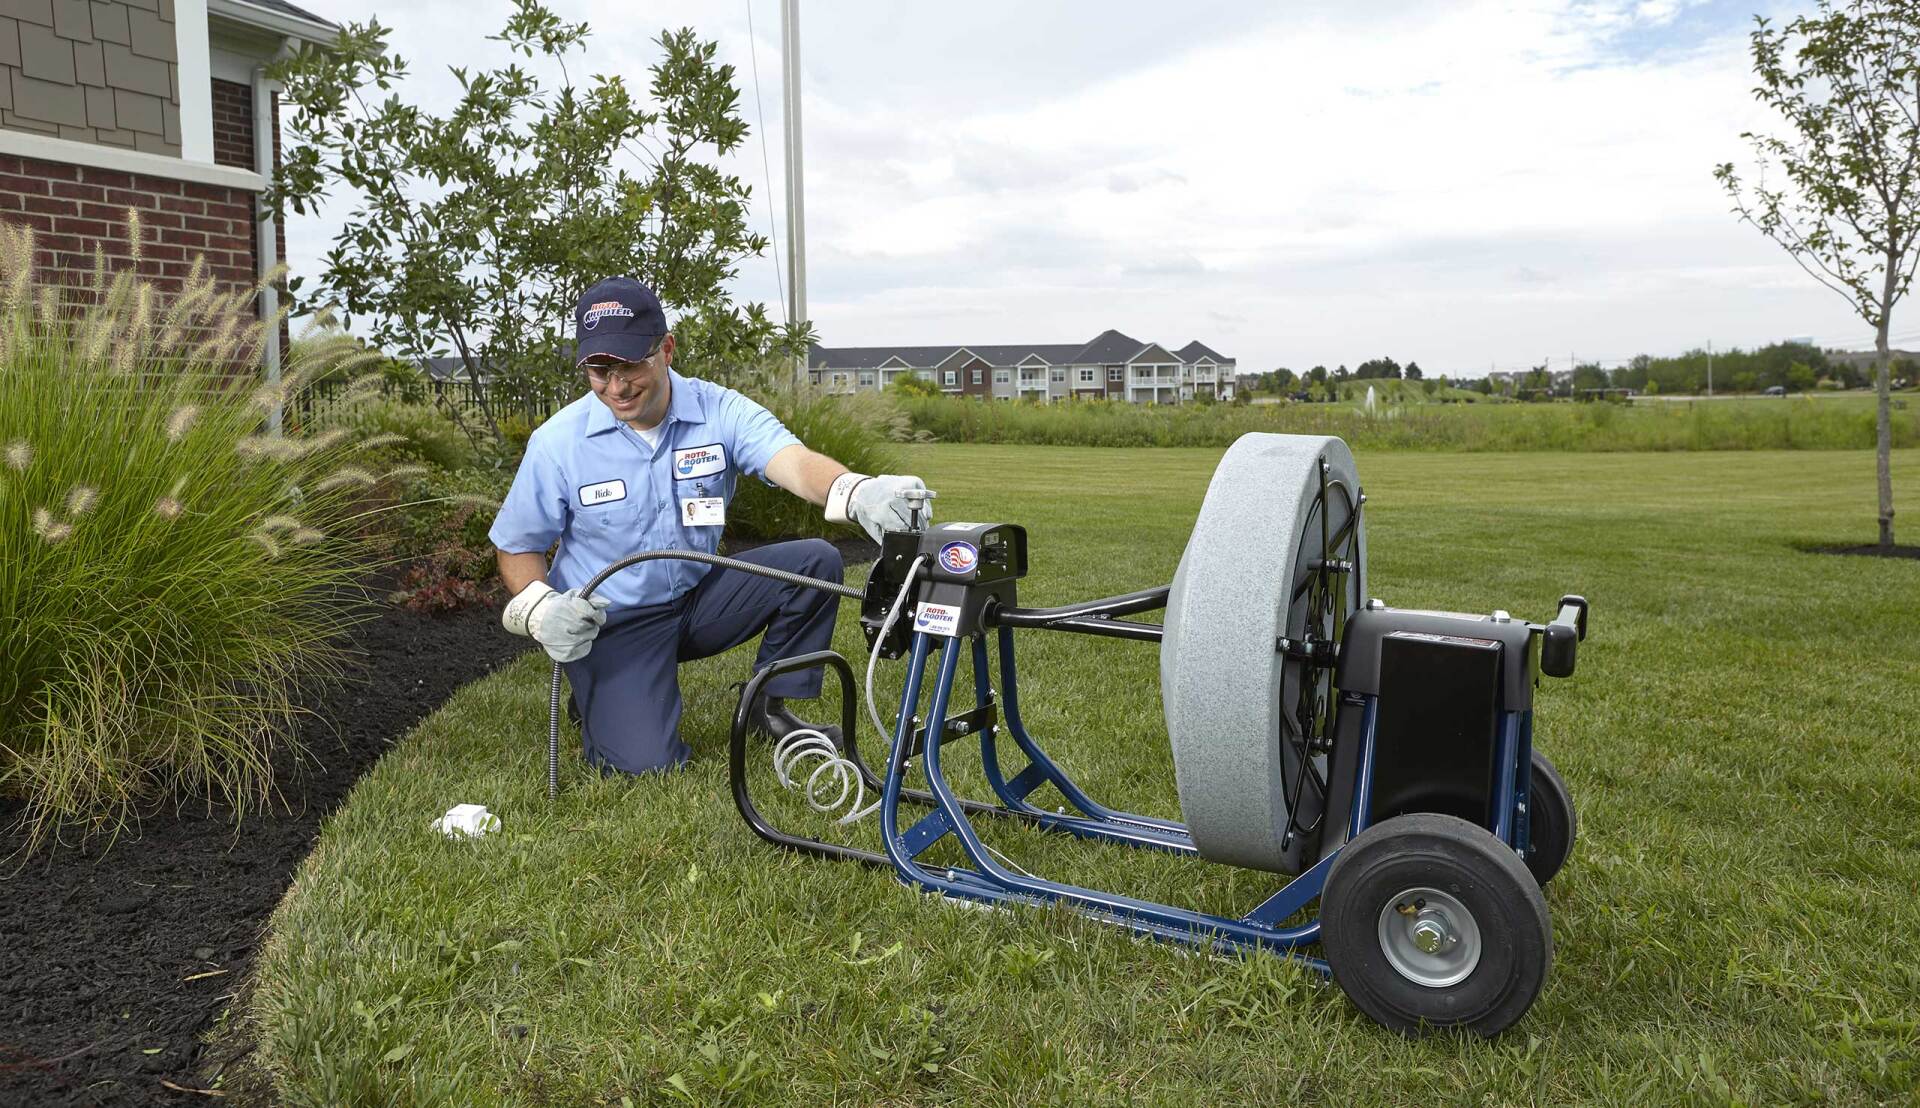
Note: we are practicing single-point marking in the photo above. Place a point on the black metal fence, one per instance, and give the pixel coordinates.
(318, 400)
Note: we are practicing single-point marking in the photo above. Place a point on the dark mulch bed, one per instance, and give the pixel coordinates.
(99, 942)
(95, 1002)
(1870, 550)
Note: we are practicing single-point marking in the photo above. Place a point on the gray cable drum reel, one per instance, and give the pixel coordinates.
(1278, 553)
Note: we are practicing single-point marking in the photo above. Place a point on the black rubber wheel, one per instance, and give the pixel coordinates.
(1429, 922)
(1552, 822)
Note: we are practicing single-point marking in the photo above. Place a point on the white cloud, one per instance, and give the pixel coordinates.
(1463, 184)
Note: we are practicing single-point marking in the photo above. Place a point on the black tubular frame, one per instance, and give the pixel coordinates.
(849, 749)
(1091, 617)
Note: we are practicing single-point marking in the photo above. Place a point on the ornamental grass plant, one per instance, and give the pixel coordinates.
(171, 571)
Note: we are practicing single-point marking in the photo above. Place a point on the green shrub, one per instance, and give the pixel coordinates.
(169, 574)
(414, 432)
(856, 434)
(438, 533)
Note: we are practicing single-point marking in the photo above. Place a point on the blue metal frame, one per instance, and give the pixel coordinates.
(987, 880)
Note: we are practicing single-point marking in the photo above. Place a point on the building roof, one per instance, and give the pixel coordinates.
(278, 17)
(1195, 350)
(448, 369)
(926, 357)
(1107, 347)
(1053, 354)
(870, 357)
(290, 9)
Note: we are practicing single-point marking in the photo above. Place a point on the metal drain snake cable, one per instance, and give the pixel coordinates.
(553, 691)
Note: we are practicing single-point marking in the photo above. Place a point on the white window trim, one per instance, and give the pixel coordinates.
(20, 144)
(1087, 376)
(953, 378)
(1058, 375)
(1116, 374)
(193, 56)
(1002, 377)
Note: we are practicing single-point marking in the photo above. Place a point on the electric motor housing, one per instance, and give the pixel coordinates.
(967, 568)
(971, 567)
(1440, 684)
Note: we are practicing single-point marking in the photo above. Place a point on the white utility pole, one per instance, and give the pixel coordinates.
(1709, 369)
(796, 205)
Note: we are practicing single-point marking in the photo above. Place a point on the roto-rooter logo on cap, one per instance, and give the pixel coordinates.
(959, 557)
(591, 317)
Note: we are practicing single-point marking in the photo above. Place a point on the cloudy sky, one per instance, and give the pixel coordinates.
(1470, 184)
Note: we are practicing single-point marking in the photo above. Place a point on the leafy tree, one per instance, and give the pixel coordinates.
(1283, 380)
(475, 232)
(1413, 371)
(1341, 374)
(1846, 80)
(1800, 377)
(1589, 376)
(1318, 374)
(1377, 368)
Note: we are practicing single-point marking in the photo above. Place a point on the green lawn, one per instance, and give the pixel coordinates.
(1739, 920)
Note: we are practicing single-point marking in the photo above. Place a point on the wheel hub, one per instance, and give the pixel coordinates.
(1429, 937)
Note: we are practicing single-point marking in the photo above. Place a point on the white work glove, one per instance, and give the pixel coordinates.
(873, 502)
(560, 622)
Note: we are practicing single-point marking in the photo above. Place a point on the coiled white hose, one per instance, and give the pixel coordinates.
(796, 748)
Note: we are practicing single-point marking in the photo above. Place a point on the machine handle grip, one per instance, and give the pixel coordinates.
(1560, 639)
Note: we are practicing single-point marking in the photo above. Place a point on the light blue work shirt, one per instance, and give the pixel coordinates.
(592, 482)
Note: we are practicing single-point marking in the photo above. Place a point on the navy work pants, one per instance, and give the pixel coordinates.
(627, 688)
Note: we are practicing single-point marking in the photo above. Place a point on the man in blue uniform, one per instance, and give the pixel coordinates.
(648, 461)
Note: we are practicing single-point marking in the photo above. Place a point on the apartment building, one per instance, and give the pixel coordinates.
(1111, 366)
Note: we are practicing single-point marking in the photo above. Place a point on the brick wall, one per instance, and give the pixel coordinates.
(73, 208)
(232, 124)
(102, 71)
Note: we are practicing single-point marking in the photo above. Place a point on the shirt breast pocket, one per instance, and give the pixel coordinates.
(621, 517)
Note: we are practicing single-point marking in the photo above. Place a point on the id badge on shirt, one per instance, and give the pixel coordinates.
(703, 511)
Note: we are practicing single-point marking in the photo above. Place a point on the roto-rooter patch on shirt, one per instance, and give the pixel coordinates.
(699, 461)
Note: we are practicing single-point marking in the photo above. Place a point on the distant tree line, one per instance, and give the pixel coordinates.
(1792, 366)
(1319, 383)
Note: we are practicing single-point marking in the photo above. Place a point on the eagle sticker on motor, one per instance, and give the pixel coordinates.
(959, 557)
(699, 461)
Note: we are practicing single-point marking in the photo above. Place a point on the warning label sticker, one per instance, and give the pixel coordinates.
(937, 619)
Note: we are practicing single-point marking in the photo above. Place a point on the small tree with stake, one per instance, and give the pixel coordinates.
(1847, 81)
(474, 232)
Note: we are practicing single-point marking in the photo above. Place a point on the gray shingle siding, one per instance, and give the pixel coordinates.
(92, 71)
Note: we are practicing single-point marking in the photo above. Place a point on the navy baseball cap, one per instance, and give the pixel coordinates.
(619, 316)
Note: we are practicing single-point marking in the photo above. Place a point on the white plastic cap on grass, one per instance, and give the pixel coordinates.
(467, 821)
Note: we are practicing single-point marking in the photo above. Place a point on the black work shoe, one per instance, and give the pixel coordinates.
(776, 721)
